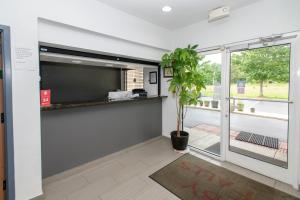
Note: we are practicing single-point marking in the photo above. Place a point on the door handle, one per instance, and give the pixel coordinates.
(265, 100)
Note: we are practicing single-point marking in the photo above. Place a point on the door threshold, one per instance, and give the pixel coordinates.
(204, 153)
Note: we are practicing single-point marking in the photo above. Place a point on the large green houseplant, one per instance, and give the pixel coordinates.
(186, 84)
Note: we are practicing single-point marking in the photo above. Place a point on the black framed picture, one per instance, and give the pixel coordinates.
(153, 77)
(168, 72)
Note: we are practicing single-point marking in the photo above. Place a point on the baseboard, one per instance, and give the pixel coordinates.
(166, 135)
(40, 197)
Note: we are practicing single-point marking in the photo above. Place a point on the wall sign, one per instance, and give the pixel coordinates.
(45, 98)
(168, 72)
(241, 84)
(24, 58)
(153, 77)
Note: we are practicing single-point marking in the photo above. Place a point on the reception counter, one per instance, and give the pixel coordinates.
(74, 134)
(96, 103)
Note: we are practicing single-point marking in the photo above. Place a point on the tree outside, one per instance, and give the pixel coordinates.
(266, 71)
(212, 73)
(211, 68)
(267, 65)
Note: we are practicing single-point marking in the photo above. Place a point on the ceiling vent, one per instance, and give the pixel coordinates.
(218, 13)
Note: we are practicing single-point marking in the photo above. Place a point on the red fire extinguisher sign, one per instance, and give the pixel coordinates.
(45, 98)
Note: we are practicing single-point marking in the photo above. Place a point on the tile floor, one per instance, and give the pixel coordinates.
(124, 176)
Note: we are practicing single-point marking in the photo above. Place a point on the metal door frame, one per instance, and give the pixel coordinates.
(8, 113)
(288, 175)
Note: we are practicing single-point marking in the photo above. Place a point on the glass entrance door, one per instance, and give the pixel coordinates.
(261, 85)
(203, 121)
(259, 103)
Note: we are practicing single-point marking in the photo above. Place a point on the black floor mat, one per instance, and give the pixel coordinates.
(271, 142)
(243, 136)
(258, 139)
(215, 148)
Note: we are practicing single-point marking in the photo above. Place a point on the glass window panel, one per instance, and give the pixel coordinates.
(259, 110)
(203, 121)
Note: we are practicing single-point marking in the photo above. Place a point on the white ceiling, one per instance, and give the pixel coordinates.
(184, 12)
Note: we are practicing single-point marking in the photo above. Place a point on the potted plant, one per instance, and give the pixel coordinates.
(206, 103)
(186, 85)
(214, 104)
(216, 95)
(201, 103)
(240, 106)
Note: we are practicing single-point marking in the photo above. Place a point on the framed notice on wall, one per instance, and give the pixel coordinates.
(153, 77)
(168, 72)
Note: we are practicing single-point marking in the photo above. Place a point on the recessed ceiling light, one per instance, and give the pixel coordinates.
(166, 9)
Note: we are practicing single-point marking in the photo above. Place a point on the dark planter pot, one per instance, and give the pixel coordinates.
(201, 103)
(240, 107)
(206, 103)
(214, 104)
(179, 143)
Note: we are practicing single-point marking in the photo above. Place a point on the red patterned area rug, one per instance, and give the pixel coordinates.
(191, 178)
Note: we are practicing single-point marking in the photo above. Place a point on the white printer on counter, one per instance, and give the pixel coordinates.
(121, 95)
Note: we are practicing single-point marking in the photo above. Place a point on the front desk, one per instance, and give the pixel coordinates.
(75, 134)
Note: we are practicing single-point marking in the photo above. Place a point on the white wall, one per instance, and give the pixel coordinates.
(97, 17)
(150, 88)
(79, 23)
(256, 20)
(60, 34)
(20, 16)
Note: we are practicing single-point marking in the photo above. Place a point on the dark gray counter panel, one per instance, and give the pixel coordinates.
(71, 137)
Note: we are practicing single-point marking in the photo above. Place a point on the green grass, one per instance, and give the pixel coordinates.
(271, 91)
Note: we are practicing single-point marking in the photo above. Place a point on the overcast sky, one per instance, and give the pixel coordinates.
(214, 58)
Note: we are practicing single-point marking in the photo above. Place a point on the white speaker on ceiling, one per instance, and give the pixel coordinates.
(218, 13)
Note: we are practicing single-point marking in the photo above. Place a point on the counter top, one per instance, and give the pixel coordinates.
(86, 104)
